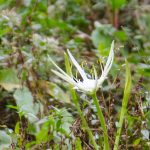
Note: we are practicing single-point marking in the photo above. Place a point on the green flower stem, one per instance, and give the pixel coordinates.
(75, 100)
(102, 121)
(126, 95)
(85, 124)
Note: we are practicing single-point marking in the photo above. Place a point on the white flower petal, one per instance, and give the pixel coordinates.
(87, 85)
(81, 71)
(62, 76)
(64, 73)
(107, 66)
(110, 58)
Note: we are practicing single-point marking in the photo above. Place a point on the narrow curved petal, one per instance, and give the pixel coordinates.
(110, 58)
(64, 73)
(107, 66)
(81, 71)
(66, 78)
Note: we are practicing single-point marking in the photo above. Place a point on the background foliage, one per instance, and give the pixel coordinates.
(36, 107)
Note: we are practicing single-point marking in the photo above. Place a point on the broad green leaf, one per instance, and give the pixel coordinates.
(136, 142)
(100, 40)
(144, 69)
(24, 100)
(43, 135)
(116, 4)
(4, 31)
(121, 35)
(66, 120)
(5, 140)
(102, 37)
(58, 93)
(8, 79)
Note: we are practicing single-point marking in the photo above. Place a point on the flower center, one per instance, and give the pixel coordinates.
(88, 84)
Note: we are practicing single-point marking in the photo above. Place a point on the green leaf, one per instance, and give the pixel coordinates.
(144, 69)
(102, 37)
(58, 124)
(8, 79)
(58, 93)
(121, 35)
(17, 128)
(4, 31)
(43, 135)
(66, 120)
(78, 144)
(5, 140)
(126, 95)
(136, 142)
(98, 38)
(25, 103)
(116, 4)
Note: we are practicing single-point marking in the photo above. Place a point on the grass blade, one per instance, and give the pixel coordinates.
(126, 95)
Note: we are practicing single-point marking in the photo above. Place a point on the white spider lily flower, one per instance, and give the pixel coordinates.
(86, 85)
